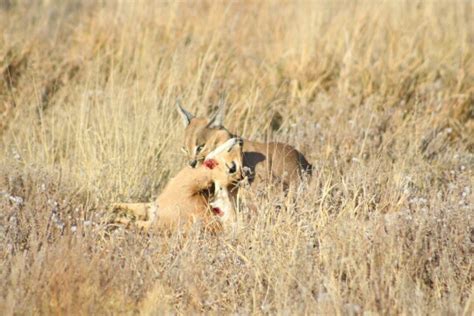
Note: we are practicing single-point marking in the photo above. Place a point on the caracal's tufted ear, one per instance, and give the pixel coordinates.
(185, 115)
(217, 121)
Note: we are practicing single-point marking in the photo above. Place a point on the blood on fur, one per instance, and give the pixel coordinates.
(211, 163)
(217, 211)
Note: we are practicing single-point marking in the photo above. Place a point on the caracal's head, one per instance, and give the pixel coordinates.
(201, 135)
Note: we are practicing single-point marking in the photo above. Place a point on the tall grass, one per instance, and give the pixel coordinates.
(377, 94)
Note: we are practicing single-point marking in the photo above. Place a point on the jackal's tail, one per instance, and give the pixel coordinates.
(306, 169)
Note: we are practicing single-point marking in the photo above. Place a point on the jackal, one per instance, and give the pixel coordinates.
(206, 193)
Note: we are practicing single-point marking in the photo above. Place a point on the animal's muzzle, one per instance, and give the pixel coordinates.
(193, 163)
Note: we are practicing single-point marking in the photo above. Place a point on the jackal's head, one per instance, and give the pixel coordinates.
(226, 165)
(226, 160)
(202, 135)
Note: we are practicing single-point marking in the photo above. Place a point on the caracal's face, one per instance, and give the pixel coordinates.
(203, 136)
(200, 140)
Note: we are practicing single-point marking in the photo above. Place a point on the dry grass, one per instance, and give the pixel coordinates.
(378, 94)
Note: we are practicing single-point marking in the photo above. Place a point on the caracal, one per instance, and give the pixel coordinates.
(261, 160)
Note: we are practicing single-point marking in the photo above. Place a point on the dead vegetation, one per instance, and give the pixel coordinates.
(378, 95)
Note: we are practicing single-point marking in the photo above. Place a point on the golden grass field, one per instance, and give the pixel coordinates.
(377, 94)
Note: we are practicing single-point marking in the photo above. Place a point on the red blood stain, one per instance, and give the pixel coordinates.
(211, 163)
(217, 211)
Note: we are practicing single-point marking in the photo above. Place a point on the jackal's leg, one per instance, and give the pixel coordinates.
(144, 213)
(145, 225)
(138, 210)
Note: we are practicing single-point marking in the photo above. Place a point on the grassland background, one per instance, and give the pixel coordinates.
(377, 94)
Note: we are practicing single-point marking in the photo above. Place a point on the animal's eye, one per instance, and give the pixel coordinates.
(232, 167)
(199, 148)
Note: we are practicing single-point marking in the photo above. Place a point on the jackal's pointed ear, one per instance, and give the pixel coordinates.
(227, 146)
(217, 121)
(185, 115)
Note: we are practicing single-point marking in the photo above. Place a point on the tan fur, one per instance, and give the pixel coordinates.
(264, 160)
(190, 196)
